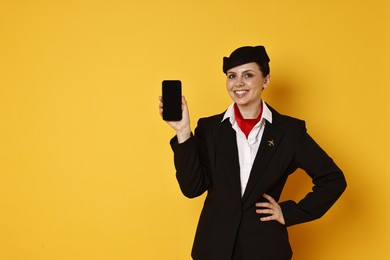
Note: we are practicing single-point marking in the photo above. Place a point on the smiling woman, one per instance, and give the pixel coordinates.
(242, 158)
(85, 168)
(245, 83)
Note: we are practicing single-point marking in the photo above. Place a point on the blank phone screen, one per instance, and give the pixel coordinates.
(171, 95)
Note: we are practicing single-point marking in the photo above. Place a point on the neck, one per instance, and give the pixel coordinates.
(250, 111)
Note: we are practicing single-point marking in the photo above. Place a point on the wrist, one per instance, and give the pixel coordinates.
(183, 135)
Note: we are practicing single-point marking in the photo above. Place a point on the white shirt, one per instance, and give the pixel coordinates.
(247, 148)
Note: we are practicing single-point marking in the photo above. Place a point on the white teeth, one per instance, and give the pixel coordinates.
(240, 92)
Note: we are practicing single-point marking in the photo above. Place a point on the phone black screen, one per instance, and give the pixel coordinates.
(171, 95)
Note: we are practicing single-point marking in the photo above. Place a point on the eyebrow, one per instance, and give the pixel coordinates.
(249, 70)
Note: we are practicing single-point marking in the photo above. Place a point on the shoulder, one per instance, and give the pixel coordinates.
(211, 120)
(211, 125)
(286, 121)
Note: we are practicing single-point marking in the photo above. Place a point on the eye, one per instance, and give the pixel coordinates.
(231, 76)
(249, 75)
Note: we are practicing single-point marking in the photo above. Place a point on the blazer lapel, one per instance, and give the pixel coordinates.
(271, 138)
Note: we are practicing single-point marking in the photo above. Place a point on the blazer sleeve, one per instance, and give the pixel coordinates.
(329, 182)
(192, 164)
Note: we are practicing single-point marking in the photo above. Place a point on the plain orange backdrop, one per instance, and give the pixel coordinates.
(86, 171)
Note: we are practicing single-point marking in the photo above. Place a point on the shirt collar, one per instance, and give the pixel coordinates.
(267, 114)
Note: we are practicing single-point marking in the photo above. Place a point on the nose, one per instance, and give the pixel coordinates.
(239, 82)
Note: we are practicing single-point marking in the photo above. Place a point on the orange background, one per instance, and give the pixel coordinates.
(86, 171)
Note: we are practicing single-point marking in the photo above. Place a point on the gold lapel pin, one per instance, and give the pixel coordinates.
(270, 143)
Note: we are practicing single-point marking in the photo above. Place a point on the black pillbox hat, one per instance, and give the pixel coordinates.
(244, 55)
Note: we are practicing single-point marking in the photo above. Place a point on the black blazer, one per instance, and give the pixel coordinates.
(208, 161)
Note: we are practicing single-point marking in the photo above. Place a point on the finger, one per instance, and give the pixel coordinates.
(269, 218)
(264, 205)
(184, 103)
(160, 104)
(269, 198)
(265, 211)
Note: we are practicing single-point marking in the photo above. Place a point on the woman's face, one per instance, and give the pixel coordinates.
(245, 83)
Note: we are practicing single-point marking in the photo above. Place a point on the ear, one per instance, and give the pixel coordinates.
(267, 80)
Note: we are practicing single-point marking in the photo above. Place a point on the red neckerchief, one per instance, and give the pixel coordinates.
(246, 125)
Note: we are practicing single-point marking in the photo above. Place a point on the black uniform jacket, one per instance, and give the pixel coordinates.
(208, 161)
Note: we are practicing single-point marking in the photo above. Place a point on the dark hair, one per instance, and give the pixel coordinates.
(264, 68)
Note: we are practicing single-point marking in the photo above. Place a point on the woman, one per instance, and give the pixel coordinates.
(242, 158)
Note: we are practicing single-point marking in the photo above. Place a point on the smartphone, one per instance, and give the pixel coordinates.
(171, 96)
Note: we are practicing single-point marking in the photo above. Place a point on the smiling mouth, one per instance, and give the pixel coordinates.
(240, 92)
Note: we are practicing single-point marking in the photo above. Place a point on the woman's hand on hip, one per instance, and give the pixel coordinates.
(271, 208)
